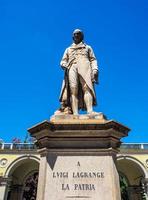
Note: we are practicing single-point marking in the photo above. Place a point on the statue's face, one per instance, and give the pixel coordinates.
(77, 37)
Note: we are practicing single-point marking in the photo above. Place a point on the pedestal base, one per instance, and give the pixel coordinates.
(78, 159)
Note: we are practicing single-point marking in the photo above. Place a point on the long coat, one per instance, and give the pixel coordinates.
(83, 57)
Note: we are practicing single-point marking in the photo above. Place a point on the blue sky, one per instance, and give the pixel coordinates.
(33, 37)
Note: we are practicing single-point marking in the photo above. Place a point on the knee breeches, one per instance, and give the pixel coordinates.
(75, 79)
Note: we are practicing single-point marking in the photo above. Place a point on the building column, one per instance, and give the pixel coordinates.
(2, 191)
(145, 187)
(4, 185)
(134, 192)
(16, 192)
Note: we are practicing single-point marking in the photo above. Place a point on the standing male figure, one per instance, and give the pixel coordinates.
(81, 72)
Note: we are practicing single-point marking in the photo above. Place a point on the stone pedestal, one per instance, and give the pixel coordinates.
(78, 158)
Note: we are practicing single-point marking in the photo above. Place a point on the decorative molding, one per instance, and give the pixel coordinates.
(3, 162)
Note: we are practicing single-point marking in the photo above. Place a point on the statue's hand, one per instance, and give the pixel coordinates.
(95, 76)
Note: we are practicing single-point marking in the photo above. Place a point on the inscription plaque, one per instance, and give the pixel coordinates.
(76, 177)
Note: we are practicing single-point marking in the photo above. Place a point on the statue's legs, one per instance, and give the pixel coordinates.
(73, 82)
(74, 79)
(88, 99)
(74, 101)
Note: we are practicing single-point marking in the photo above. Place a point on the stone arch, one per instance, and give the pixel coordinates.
(18, 162)
(16, 173)
(135, 171)
(137, 163)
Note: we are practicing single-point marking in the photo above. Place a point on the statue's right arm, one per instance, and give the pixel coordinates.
(64, 60)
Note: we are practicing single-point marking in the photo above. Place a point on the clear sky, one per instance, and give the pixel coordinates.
(33, 37)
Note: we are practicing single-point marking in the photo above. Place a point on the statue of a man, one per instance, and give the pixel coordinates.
(81, 72)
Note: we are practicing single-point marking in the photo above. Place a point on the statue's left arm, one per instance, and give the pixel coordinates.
(94, 64)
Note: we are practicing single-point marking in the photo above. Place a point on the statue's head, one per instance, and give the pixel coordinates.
(78, 36)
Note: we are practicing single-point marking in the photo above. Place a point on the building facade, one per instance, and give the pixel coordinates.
(19, 166)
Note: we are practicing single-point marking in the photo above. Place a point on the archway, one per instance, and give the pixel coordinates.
(133, 171)
(19, 172)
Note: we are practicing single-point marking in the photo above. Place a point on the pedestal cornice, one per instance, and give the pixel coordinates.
(79, 134)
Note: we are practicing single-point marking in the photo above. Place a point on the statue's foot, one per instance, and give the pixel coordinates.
(58, 112)
(67, 110)
(92, 113)
(63, 111)
(96, 115)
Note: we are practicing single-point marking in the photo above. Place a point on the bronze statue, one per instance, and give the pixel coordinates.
(81, 72)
